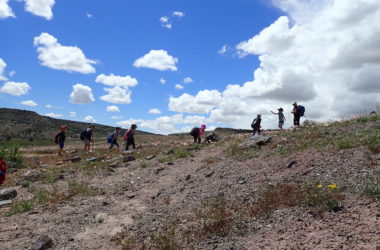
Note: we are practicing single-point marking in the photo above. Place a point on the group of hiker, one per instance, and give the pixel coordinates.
(88, 138)
(298, 111)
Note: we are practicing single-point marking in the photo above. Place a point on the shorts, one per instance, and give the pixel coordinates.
(280, 123)
(61, 145)
(87, 142)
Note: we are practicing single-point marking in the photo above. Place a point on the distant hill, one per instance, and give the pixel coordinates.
(26, 124)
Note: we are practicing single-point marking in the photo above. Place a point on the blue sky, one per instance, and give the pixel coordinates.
(48, 47)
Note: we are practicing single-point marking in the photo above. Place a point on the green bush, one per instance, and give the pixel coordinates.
(11, 152)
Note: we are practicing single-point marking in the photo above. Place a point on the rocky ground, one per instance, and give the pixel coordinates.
(317, 187)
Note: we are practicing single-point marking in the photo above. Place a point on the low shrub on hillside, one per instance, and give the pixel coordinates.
(11, 153)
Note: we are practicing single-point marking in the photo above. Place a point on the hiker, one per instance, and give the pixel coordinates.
(281, 117)
(113, 138)
(298, 111)
(87, 137)
(129, 137)
(197, 133)
(60, 140)
(256, 125)
(3, 170)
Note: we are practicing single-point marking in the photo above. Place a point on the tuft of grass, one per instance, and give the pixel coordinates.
(144, 164)
(82, 189)
(11, 152)
(20, 207)
(345, 143)
(175, 153)
(25, 183)
(372, 188)
(242, 154)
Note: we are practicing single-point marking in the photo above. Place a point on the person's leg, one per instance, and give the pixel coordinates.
(117, 144)
(199, 139)
(297, 120)
(133, 143)
(254, 132)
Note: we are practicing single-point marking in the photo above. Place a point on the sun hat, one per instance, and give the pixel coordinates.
(203, 126)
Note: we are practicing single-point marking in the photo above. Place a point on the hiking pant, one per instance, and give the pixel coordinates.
(114, 143)
(296, 120)
(130, 141)
(197, 139)
(257, 130)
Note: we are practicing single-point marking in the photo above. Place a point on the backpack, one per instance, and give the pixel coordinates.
(110, 138)
(56, 139)
(253, 124)
(83, 134)
(301, 110)
(194, 131)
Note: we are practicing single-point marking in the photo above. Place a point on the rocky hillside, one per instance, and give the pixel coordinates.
(315, 187)
(30, 125)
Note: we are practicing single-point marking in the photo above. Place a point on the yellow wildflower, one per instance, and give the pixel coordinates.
(319, 186)
(333, 186)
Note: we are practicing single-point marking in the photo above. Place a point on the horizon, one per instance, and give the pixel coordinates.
(173, 65)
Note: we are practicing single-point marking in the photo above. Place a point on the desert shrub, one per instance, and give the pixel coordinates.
(20, 207)
(345, 143)
(372, 188)
(11, 152)
(144, 164)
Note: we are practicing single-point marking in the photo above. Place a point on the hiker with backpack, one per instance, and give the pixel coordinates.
(112, 138)
(298, 111)
(60, 140)
(281, 117)
(3, 170)
(129, 137)
(87, 136)
(256, 125)
(197, 133)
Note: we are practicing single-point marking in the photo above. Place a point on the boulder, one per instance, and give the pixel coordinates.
(44, 242)
(8, 193)
(5, 203)
(253, 141)
(212, 137)
(150, 157)
(73, 159)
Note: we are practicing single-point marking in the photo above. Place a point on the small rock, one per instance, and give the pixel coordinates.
(150, 157)
(170, 163)
(44, 242)
(92, 159)
(61, 177)
(12, 170)
(291, 164)
(105, 203)
(71, 239)
(32, 175)
(188, 177)
(242, 181)
(158, 170)
(45, 166)
(100, 217)
(59, 163)
(128, 151)
(5, 203)
(114, 165)
(73, 159)
(131, 196)
(210, 173)
(128, 158)
(8, 193)
(72, 151)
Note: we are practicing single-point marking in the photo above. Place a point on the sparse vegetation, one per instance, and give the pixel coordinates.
(20, 207)
(144, 164)
(372, 188)
(241, 154)
(11, 152)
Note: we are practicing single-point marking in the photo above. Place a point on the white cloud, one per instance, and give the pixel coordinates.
(178, 13)
(49, 106)
(113, 108)
(15, 88)
(224, 49)
(5, 10)
(29, 103)
(157, 59)
(162, 81)
(81, 94)
(73, 114)
(12, 73)
(178, 86)
(154, 111)
(165, 22)
(88, 15)
(202, 103)
(89, 118)
(188, 80)
(54, 115)
(56, 56)
(118, 95)
(2, 67)
(113, 80)
(41, 8)
(115, 117)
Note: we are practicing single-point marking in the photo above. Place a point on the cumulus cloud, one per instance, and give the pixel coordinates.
(41, 8)
(178, 86)
(162, 81)
(29, 103)
(188, 80)
(224, 49)
(73, 114)
(54, 115)
(157, 59)
(15, 88)
(2, 67)
(112, 108)
(178, 13)
(119, 93)
(12, 73)
(89, 118)
(115, 117)
(165, 22)
(81, 94)
(5, 10)
(323, 54)
(154, 111)
(56, 56)
(202, 103)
